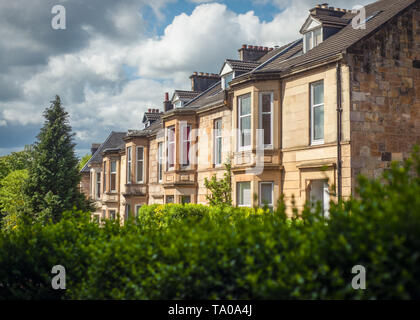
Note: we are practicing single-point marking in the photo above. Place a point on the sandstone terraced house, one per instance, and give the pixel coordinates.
(342, 100)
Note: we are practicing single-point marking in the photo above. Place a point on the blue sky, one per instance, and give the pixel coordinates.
(116, 59)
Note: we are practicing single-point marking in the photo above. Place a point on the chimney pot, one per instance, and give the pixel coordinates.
(149, 110)
(244, 46)
(206, 74)
(250, 47)
(265, 48)
(166, 96)
(201, 73)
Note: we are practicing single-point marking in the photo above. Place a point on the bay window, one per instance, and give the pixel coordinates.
(160, 161)
(185, 145)
(266, 118)
(218, 142)
(243, 194)
(244, 121)
(171, 148)
(113, 175)
(104, 176)
(140, 165)
(129, 161)
(317, 113)
(98, 185)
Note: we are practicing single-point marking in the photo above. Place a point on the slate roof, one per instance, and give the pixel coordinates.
(212, 96)
(153, 128)
(186, 95)
(114, 141)
(344, 38)
(151, 116)
(242, 66)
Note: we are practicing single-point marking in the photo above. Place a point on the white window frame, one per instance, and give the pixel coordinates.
(137, 164)
(261, 113)
(313, 106)
(312, 34)
(184, 143)
(237, 194)
(168, 143)
(104, 178)
(225, 84)
(110, 215)
(239, 99)
(271, 205)
(110, 175)
(160, 161)
(218, 137)
(129, 164)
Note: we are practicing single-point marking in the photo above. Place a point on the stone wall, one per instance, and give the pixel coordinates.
(385, 93)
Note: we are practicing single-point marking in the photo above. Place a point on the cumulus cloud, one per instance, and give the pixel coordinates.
(87, 63)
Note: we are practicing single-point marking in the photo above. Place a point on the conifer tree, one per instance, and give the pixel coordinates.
(53, 183)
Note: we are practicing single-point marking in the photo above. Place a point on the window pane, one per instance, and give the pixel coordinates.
(245, 105)
(317, 36)
(171, 153)
(113, 166)
(318, 92)
(244, 193)
(186, 199)
(266, 103)
(266, 193)
(308, 41)
(219, 151)
(113, 181)
(169, 199)
(318, 123)
(139, 153)
(266, 125)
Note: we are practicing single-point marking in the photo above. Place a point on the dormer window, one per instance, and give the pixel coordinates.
(226, 79)
(178, 104)
(312, 39)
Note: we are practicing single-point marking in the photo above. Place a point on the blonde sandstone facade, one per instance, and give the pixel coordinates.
(299, 121)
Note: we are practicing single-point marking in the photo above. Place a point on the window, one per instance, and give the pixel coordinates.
(178, 104)
(416, 64)
(317, 113)
(129, 161)
(313, 38)
(136, 213)
(218, 142)
(171, 148)
(104, 176)
(140, 164)
(186, 199)
(266, 194)
(243, 190)
(160, 161)
(186, 145)
(169, 199)
(113, 176)
(98, 185)
(244, 112)
(112, 214)
(319, 193)
(226, 79)
(127, 212)
(266, 118)
(103, 214)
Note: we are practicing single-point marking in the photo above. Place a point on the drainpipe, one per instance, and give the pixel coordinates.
(339, 113)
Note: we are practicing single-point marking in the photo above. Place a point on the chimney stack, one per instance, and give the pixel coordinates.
(202, 81)
(94, 147)
(324, 9)
(167, 105)
(252, 53)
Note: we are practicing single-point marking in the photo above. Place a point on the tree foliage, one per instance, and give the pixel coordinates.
(54, 176)
(15, 161)
(12, 198)
(84, 160)
(220, 191)
(197, 252)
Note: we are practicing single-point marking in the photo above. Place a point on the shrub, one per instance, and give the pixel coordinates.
(198, 252)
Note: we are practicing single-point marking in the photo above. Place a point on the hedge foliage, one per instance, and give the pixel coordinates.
(198, 252)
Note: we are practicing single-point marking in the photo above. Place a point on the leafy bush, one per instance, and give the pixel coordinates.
(198, 252)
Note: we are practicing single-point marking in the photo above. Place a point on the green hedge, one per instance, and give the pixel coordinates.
(198, 252)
